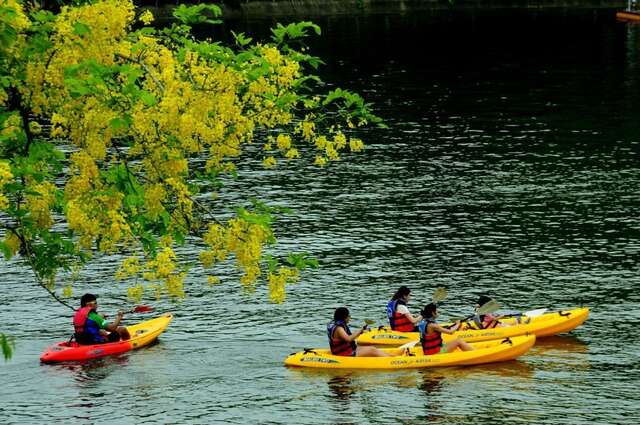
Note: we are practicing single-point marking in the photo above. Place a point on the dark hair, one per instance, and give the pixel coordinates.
(401, 292)
(482, 300)
(87, 298)
(341, 313)
(428, 310)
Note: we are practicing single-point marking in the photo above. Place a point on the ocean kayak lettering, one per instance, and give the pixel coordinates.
(389, 337)
(476, 334)
(96, 352)
(318, 359)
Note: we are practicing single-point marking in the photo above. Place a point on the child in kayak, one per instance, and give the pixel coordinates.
(430, 334)
(400, 318)
(91, 328)
(485, 321)
(343, 343)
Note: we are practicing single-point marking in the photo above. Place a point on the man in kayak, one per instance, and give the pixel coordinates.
(343, 343)
(92, 328)
(400, 318)
(431, 334)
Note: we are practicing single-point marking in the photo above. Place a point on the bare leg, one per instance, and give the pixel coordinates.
(457, 343)
(124, 333)
(368, 351)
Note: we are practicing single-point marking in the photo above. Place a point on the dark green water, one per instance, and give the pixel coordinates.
(511, 167)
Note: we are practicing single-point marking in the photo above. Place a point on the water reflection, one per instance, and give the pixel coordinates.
(89, 373)
(567, 343)
(341, 387)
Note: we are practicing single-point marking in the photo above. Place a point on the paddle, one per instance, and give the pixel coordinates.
(439, 294)
(140, 309)
(531, 313)
(486, 308)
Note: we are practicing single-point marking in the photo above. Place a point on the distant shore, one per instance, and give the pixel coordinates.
(301, 8)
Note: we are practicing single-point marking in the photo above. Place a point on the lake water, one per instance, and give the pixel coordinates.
(511, 167)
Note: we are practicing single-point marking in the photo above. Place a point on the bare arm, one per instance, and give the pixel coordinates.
(413, 319)
(340, 333)
(112, 327)
(438, 328)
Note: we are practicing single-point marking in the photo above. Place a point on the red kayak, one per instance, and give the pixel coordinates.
(141, 334)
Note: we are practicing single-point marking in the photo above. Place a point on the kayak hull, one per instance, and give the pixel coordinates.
(484, 352)
(142, 334)
(553, 323)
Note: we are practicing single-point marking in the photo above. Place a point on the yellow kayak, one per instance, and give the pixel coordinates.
(544, 325)
(484, 352)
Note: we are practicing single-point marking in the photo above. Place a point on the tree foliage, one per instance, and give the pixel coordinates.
(116, 138)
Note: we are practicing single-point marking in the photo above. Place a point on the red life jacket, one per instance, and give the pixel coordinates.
(398, 321)
(485, 322)
(340, 347)
(80, 319)
(86, 331)
(431, 343)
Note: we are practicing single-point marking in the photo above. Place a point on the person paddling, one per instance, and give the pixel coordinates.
(92, 328)
(400, 318)
(485, 321)
(431, 334)
(343, 342)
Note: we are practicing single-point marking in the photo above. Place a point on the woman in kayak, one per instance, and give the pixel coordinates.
(431, 334)
(91, 328)
(343, 343)
(400, 318)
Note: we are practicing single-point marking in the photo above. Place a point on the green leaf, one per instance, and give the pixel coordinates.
(293, 31)
(81, 29)
(241, 40)
(301, 261)
(118, 124)
(5, 250)
(199, 14)
(8, 345)
(147, 98)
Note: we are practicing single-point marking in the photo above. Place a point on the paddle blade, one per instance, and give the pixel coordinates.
(142, 309)
(409, 344)
(535, 313)
(489, 307)
(439, 294)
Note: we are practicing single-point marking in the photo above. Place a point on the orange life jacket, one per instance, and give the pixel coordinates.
(340, 347)
(431, 343)
(398, 321)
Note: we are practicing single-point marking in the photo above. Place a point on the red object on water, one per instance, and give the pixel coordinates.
(142, 309)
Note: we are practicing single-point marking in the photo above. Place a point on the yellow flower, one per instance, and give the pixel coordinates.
(269, 162)
(67, 291)
(146, 17)
(320, 161)
(356, 145)
(135, 293)
(12, 242)
(283, 141)
(213, 280)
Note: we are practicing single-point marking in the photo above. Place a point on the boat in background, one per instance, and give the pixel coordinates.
(630, 14)
(547, 324)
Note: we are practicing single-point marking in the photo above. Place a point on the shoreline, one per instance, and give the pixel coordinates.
(247, 9)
